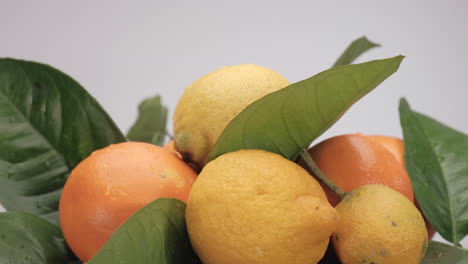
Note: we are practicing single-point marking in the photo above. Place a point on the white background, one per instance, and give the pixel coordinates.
(124, 51)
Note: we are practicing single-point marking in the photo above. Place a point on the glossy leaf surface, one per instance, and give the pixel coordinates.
(440, 253)
(25, 238)
(436, 159)
(48, 124)
(154, 234)
(286, 121)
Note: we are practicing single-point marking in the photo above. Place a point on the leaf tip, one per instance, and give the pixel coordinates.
(396, 61)
(400, 57)
(373, 44)
(403, 104)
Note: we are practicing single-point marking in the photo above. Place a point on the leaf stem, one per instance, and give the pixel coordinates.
(317, 172)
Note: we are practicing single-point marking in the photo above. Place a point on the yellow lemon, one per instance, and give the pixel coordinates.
(379, 225)
(255, 207)
(211, 102)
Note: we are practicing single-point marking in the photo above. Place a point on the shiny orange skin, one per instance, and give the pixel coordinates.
(353, 160)
(396, 146)
(113, 183)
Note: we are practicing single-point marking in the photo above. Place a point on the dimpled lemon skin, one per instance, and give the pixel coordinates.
(379, 225)
(256, 207)
(211, 102)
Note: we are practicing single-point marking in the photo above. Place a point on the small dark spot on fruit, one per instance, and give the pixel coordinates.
(383, 252)
(394, 224)
(337, 237)
(162, 175)
(316, 208)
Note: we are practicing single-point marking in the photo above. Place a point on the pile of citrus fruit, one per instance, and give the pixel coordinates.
(252, 206)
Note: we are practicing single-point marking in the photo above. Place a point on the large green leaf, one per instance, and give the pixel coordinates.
(150, 126)
(25, 238)
(48, 124)
(436, 158)
(440, 253)
(354, 50)
(286, 121)
(154, 234)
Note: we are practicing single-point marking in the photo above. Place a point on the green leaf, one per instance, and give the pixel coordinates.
(286, 121)
(48, 124)
(440, 253)
(25, 238)
(436, 158)
(354, 50)
(154, 234)
(150, 126)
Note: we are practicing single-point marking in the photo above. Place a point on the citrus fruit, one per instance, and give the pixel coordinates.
(211, 102)
(353, 160)
(170, 147)
(253, 206)
(379, 225)
(113, 183)
(396, 146)
(392, 144)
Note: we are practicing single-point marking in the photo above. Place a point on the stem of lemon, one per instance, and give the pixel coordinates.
(323, 178)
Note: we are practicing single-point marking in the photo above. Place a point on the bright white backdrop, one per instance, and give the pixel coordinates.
(124, 51)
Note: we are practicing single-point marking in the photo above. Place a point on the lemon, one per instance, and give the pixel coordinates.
(255, 207)
(211, 102)
(379, 225)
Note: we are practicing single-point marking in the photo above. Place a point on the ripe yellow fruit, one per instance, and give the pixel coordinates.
(253, 206)
(211, 102)
(379, 225)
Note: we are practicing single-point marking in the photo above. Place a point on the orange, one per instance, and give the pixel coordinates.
(394, 145)
(113, 183)
(170, 147)
(353, 160)
(350, 171)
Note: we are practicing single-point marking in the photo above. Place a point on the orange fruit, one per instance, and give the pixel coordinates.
(353, 160)
(393, 144)
(342, 160)
(170, 147)
(113, 183)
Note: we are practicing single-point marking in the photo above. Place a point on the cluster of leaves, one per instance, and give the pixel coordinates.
(49, 123)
